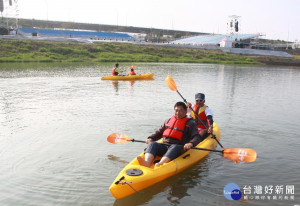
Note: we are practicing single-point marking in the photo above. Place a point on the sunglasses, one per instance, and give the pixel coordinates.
(199, 100)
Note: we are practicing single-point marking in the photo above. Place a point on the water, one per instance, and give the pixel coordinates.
(54, 121)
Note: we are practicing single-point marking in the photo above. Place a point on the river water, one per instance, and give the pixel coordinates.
(54, 121)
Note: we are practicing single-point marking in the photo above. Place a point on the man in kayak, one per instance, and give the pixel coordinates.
(115, 71)
(179, 131)
(205, 123)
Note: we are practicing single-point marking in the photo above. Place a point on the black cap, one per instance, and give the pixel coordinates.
(200, 97)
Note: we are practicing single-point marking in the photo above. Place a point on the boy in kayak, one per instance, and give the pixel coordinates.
(115, 71)
(179, 131)
(204, 117)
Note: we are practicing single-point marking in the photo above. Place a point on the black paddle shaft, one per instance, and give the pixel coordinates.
(192, 110)
(133, 140)
(214, 136)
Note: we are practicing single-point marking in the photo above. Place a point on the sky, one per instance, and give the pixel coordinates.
(275, 19)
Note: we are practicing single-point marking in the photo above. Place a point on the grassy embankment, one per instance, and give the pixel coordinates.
(40, 51)
(296, 56)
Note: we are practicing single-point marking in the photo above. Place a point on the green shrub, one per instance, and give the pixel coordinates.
(61, 50)
(95, 50)
(43, 50)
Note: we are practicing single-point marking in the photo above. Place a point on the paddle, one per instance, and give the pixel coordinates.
(172, 85)
(234, 154)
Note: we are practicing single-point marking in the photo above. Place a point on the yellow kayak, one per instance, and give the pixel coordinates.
(130, 77)
(135, 177)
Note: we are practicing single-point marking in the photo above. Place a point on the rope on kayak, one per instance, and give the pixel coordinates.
(129, 186)
(124, 183)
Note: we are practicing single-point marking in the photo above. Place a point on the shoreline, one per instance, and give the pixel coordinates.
(25, 51)
(277, 61)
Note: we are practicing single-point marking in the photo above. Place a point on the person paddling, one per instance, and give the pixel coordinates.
(205, 123)
(115, 71)
(179, 131)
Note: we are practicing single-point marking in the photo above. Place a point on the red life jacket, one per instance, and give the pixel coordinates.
(113, 72)
(202, 115)
(175, 128)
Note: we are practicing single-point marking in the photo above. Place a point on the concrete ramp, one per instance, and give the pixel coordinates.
(256, 52)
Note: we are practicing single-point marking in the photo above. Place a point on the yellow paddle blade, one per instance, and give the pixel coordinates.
(117, 138)
(240, 154)
(171, 83)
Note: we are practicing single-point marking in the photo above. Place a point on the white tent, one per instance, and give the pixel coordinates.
(226, 42)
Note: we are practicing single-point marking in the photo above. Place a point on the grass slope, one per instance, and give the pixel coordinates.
(43, 51)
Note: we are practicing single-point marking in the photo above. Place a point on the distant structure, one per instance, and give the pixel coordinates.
(233, 28)
(233, 25)
(71, 34)
(1, 6)
(10, 10)
(232, 38)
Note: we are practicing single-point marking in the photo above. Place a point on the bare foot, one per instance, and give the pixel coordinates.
(158, 164)
(142, 161)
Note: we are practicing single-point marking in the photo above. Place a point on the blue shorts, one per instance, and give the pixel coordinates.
(171, 151)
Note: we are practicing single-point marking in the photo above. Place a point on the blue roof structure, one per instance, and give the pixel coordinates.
(213, 39)
(75, 33)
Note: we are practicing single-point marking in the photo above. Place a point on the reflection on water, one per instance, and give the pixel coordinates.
(116, 85)
(115, 158)
(55, 118)
(130, 83)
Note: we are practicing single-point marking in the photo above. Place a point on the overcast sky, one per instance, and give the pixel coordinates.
(276, 19)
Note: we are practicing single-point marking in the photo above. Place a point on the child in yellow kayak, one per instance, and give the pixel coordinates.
(131, 72)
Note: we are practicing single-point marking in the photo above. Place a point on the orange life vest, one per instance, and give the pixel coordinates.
(201, 113)
(131, 72)
(175, 128)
